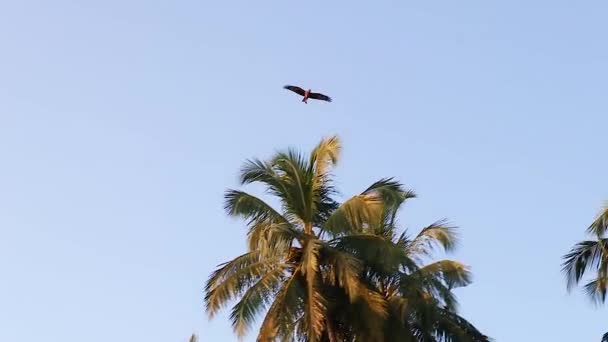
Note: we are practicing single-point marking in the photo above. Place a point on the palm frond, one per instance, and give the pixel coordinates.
(582, 257)
(605, 337)
(240, 203)
(325, 155)
(378, 253)
(233, 277)
(193, 338)
(255, 300)
(315, 306)
(451, 327)
(600, 225)
(283, 314)
(437, 234)
(355, 215)
(390, 191)
(596, 289)
(452, 273)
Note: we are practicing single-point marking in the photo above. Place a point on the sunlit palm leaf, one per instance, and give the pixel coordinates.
(283, 314)
(436, 234)
(355, 215)
(255, 299)
(452, 273)
(315, 306)
(232, 278)
(600, 225)
(390, 191)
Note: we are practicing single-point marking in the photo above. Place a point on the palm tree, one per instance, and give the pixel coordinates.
(193, 338)
(302, 266)
(421, 305)
(590, 255)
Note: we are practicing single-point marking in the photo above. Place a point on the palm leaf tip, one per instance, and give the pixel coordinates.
(600, 224)
(439, 233)
(583, 256)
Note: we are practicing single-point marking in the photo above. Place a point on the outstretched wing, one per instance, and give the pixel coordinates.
(319, 96)
(295, 89)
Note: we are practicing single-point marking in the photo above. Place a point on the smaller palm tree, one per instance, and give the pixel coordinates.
(590, 255)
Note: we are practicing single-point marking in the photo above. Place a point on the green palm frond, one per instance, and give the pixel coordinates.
(285, 311)
(232, 278)
(378, 253)
(596, 289)
(240, 203)
(255, 299)
(451, 327)
(584, 256)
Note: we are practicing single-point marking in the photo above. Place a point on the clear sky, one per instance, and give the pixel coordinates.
(122, 123)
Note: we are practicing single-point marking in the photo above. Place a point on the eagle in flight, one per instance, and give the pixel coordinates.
(308, 94)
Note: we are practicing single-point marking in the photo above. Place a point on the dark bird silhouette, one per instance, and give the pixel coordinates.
(308, 94)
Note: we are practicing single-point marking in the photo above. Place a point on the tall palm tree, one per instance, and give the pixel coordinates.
(300, 267)
(590, 256)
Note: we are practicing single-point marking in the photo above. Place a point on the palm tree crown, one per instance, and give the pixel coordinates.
(325, 271)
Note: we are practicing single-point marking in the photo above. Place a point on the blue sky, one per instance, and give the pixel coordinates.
(122, 123)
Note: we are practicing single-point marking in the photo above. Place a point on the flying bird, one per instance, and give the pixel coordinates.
(308, 94)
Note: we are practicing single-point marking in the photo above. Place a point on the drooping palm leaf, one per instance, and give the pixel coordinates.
(437, 234)
(584, 256)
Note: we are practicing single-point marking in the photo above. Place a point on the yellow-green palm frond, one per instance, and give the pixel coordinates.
(600, 224)
(452, 273)
(284, 312)
(255, 299)
(390, 191)
(344, 271)
(381, 255)
(355, 215)
(325, 155)
(437, 234)
(315, 302)
(232, 278)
